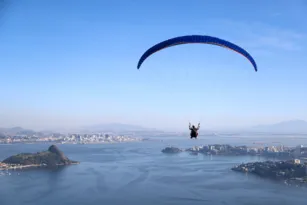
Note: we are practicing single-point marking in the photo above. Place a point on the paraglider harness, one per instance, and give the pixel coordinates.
(194, 131)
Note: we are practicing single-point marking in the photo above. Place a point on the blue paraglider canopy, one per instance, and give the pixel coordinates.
(196, 39)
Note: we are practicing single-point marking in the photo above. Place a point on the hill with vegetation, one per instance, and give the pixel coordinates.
(52, 157)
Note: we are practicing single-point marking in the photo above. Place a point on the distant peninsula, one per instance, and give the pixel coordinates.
(51, 158)
(289, 171)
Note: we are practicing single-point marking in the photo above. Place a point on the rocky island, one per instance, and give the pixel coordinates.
(290, 171)
(228, 150)
(51, 158)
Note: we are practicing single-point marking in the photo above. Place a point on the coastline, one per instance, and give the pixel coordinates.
(4, 166)
(289, 171)
(79, 143)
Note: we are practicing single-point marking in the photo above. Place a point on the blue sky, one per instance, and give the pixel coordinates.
(72, 63)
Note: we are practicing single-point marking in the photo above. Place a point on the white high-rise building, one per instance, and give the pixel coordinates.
(297, 151)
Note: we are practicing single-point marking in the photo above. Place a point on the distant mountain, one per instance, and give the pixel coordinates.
(115, 127)
(109, 127)
(290, 127)
(17, 131)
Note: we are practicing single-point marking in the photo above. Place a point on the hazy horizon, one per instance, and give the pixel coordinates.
(284, 127)
(73, 63)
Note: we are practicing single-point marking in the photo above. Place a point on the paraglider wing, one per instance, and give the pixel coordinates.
(196, 39)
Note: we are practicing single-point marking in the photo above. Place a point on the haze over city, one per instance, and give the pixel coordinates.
(77, 66)
(101, 102)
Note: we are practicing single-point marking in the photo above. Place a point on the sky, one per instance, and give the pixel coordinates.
(70, 63)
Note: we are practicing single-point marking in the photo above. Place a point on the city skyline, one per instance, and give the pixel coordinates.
(70, 64)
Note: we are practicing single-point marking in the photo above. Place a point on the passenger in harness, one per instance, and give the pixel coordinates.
(194, 130)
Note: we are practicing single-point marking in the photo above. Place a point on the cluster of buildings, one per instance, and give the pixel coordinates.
(299, 152)
(218, 149)
(69, 138)
(293, 170)
(4, 166)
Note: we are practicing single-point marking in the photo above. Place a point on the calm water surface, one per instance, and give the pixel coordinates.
(139, 173)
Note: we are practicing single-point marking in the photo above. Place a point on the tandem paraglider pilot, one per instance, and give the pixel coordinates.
(194, 130)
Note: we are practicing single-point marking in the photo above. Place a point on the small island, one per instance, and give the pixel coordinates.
(290, 171)
(53, 157)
